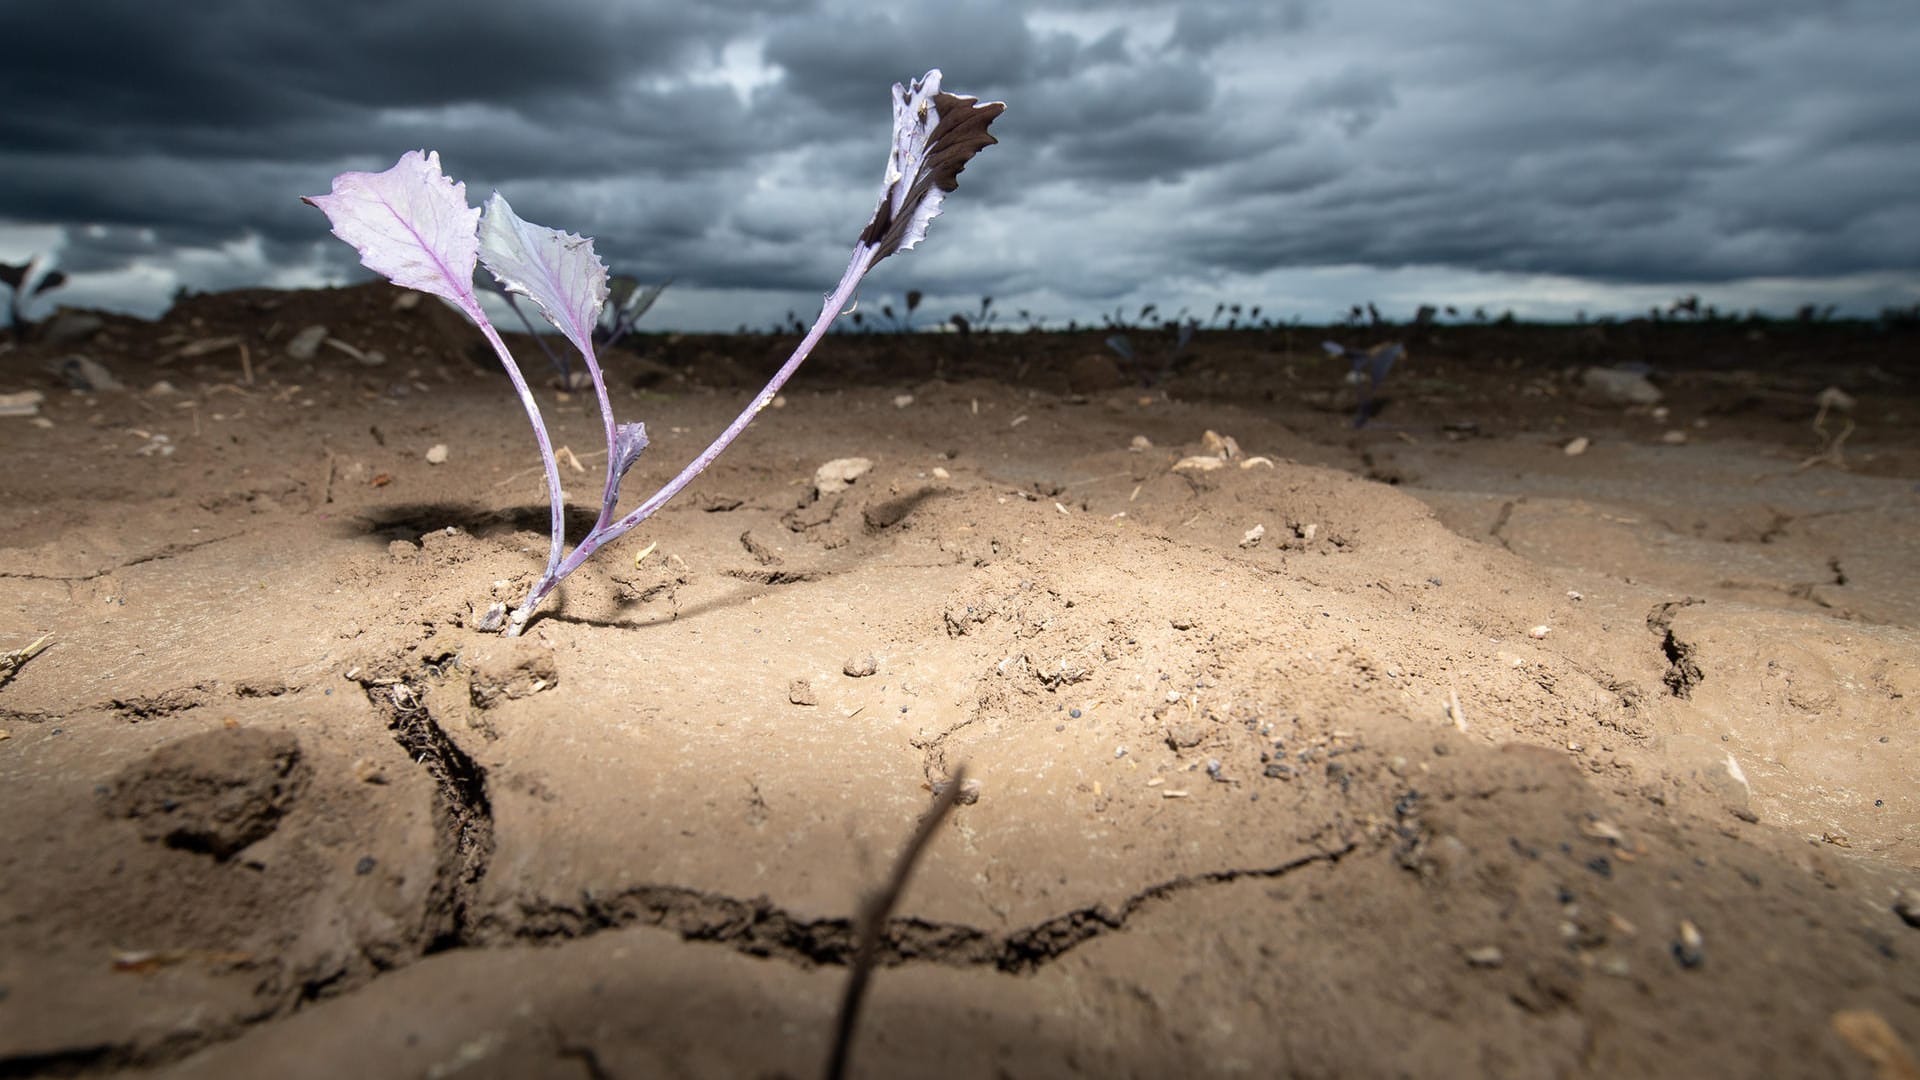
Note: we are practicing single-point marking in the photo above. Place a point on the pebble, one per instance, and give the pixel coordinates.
(800, 692)
(1688, 946)
(22, 403)
(1619, 387)
(305, 345)
(901, 401)
(1907, 906)
(1486, 956)
(1252, 536)
(860, 667)
(1674, 438)
(1577, 447)
(437, 454)
(1539, 633)
(87, 374)
(839, 474)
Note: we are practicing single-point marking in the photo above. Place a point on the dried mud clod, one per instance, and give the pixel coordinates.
(507, 670)
(215, 793)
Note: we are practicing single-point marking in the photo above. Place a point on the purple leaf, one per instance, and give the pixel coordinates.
(935, 134)
(53, 280)
(628, 441)
(557, 270)
(410, 223)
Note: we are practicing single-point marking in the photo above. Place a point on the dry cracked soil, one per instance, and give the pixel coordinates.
(1421, 748)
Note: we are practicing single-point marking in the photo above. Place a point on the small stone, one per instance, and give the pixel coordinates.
(1277, 771)
(1688, 946)
(1182, 622)
(1539, 633)
(941, 474)
(87, 374)
(1252, 536)
(1618, 387)
(839, 474)
(1486, 956)
(800, 692)
(1577, 446)
(1139, 443)
(22, 403)
(365, 865)
(69, 325)
(1185, 734)
(1907, 906)
(305, 345)
(1836, 399)
(860, 667)
(1675, 437)
(493, 619)
(968, 795)
(1199, 463)
(901, 401)
(437, 454)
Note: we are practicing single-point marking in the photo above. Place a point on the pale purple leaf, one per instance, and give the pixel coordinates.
(628, 441)
(935, 134)
(557, 270)
(410, 223)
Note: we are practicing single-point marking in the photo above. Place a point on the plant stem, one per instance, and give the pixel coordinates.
(603, 533)
(554, 495)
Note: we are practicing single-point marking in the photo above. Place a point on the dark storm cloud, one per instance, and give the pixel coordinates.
(739, 145)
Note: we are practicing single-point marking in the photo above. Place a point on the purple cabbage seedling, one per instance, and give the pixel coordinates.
(26, 281)
(1370, 367)
(412, 224)
(628, 303)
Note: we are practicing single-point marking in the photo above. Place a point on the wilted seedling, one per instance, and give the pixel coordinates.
(412, 224)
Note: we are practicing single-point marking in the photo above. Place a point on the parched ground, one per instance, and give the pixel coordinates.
(1422, 748)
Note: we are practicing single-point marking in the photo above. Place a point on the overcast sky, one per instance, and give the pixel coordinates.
(1543, 155)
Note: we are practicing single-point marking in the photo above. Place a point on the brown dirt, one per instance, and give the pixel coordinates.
(273, 808)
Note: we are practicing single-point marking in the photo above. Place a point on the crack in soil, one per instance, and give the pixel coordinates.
(167, 551)
(759, 928)
(1683, 674)
(462, 812)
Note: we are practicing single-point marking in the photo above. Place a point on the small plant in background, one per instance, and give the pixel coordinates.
(1182, 335)
(412, 224)
(627, 302)
(1369, 370)
(902, 324)
(981, 320)
(24, 282)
